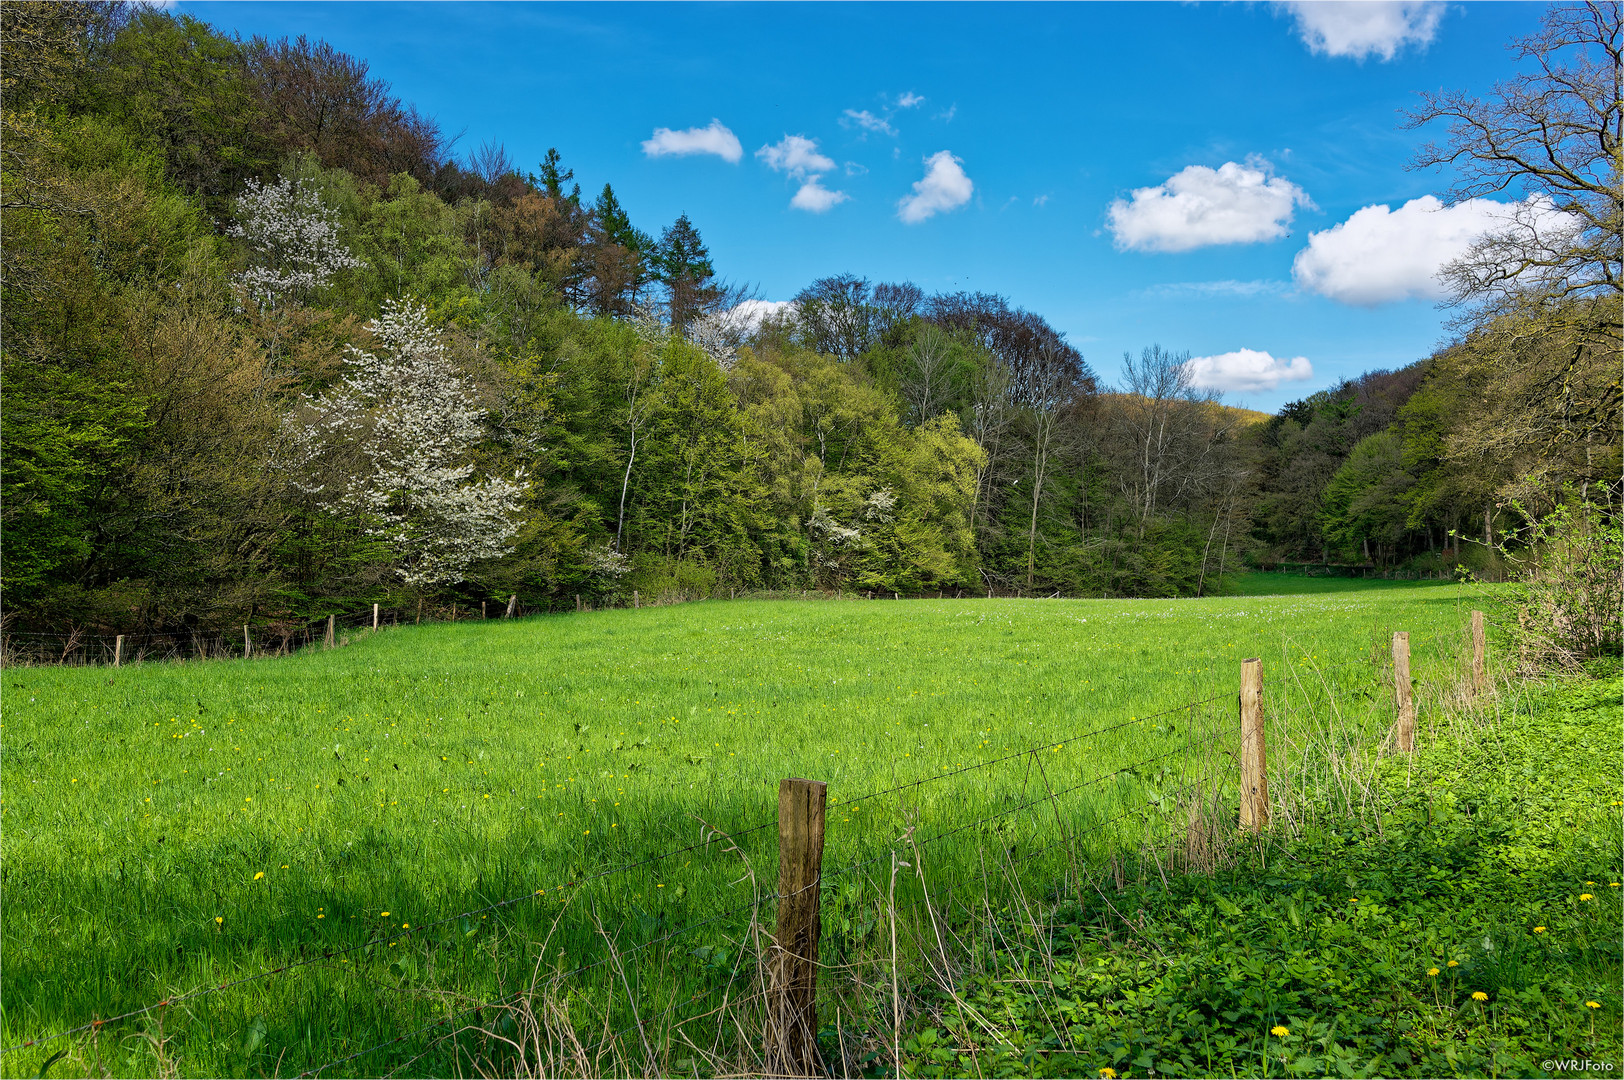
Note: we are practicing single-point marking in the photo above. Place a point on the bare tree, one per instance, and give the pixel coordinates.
(1049, 387)
(1554, 135)
(1169, 430)
(927, 379)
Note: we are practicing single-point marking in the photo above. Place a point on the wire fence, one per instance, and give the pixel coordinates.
(314, 953)
(1200, 765)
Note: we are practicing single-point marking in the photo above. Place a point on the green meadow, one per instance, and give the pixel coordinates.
(172, 827)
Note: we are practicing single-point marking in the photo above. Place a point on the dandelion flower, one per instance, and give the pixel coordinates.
(1432, 971)
(1108, 1073)
(1478, 995)
(1280, 1030)
(259, 875)
(383, 914)
(1539, 929)
(1586, 896)
(1453, 963)
(218, 919)
(1592, 1004)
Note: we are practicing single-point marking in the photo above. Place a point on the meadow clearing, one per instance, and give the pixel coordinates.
(173, 827)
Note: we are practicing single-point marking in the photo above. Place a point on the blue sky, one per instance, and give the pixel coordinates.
(1209, 177)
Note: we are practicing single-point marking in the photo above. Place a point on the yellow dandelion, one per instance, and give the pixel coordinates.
(1592, 1004)
(383, 914)
(1280, 1031)
(259, 875)
(1478, 995)
(218, 919)
(1453, 963)
(1432, 971)
(1539, 929)
(1108, 1073)
(1586, 896)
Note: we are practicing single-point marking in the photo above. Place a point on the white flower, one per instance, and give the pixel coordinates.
(292, 239)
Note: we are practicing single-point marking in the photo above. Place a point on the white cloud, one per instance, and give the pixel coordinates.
(1361, 28)
(1247, 370)
(944, 187)
(796, 155)
(752, 313)
(714, 138)
(816, 198)
(1198, 207)
(867, 121)
(855, 168)
(1040, 200)
(1380, 255)
(947, 117)
(909, 100)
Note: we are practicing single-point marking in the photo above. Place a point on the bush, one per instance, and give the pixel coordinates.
(1568, 595)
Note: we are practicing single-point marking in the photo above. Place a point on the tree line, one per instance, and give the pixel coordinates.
(271, 349)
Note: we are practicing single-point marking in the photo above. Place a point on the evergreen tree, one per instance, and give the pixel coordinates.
(682, 264)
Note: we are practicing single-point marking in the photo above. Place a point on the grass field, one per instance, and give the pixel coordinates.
(169, 827)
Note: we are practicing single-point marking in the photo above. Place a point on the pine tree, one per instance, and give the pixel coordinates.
(682, 264)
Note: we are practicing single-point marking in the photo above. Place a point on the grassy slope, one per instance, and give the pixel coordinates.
(1496, 872)
(427, 770)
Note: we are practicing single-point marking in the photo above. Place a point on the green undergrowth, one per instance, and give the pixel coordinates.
(1471, 929)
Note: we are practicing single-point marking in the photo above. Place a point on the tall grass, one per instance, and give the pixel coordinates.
(175, 826)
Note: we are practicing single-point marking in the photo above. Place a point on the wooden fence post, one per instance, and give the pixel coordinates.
(419, 611)
(453, 611)
(792, 1015)
(482, 613)
(374, 618)
(1254, 750)
(513, 606)
(1404, 726)
(577, 602)
(332, 636)
(118, 651)
(637, 601)
(1480, 680)
(247, 643)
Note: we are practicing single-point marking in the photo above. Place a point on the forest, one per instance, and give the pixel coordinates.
(275, 346)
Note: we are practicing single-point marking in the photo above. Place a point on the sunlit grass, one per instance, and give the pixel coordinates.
(429, 770)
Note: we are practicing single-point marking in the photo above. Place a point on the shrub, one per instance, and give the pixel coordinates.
(1567, 597)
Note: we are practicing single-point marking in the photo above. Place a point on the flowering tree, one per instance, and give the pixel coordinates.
(407, 423)
(292, 238)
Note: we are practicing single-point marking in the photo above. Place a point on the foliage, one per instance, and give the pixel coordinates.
(1464, 937)
(1565, 604)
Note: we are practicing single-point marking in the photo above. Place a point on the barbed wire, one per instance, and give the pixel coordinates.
(406, 932)
(580, 970)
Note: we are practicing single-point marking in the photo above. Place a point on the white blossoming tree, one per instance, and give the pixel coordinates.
(399, 432)
(292, 240)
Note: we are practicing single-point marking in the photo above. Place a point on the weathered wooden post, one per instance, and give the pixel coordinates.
(1480, 679)
(1254, 750)
(374, 618)
(1404, 726)
(118, 651)
(637, 600)
(453, 611)
(513, 606)
(792, 1015)
(332, 635)
(482, 613)
(577, 602)
(419, 611)
(247, 643)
